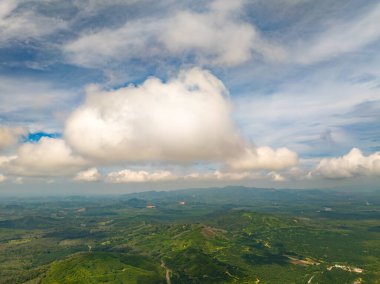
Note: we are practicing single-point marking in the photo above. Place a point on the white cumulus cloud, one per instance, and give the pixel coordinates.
(350, 165)
(263, 158)
(91, 174)
(182, 120)
(48, 157)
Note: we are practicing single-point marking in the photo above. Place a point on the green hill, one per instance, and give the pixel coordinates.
(102, 267)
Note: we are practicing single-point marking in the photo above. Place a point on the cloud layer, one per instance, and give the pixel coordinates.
(129, 176)
(135, 176)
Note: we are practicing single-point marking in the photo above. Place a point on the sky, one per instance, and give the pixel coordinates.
(126, 95)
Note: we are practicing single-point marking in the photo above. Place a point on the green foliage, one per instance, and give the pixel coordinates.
(100, 267)
(231, 235)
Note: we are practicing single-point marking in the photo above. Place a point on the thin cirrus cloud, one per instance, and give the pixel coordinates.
(340, 37)
(35, 103)
(310, 116)
(218, 36)
(19, 23)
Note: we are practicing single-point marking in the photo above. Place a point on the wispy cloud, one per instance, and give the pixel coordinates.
(311, 116)
(22, 23)
(36, 102)
(216, 36)
(340, 37)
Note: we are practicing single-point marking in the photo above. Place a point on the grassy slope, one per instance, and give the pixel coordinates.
(101, 267)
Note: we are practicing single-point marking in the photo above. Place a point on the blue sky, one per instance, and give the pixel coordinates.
(177, 93)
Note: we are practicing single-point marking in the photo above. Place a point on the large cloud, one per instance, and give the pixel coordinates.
(48, 157)
(352, 164)
(184, 119)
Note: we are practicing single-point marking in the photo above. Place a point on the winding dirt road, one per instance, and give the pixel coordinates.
(167, 274)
